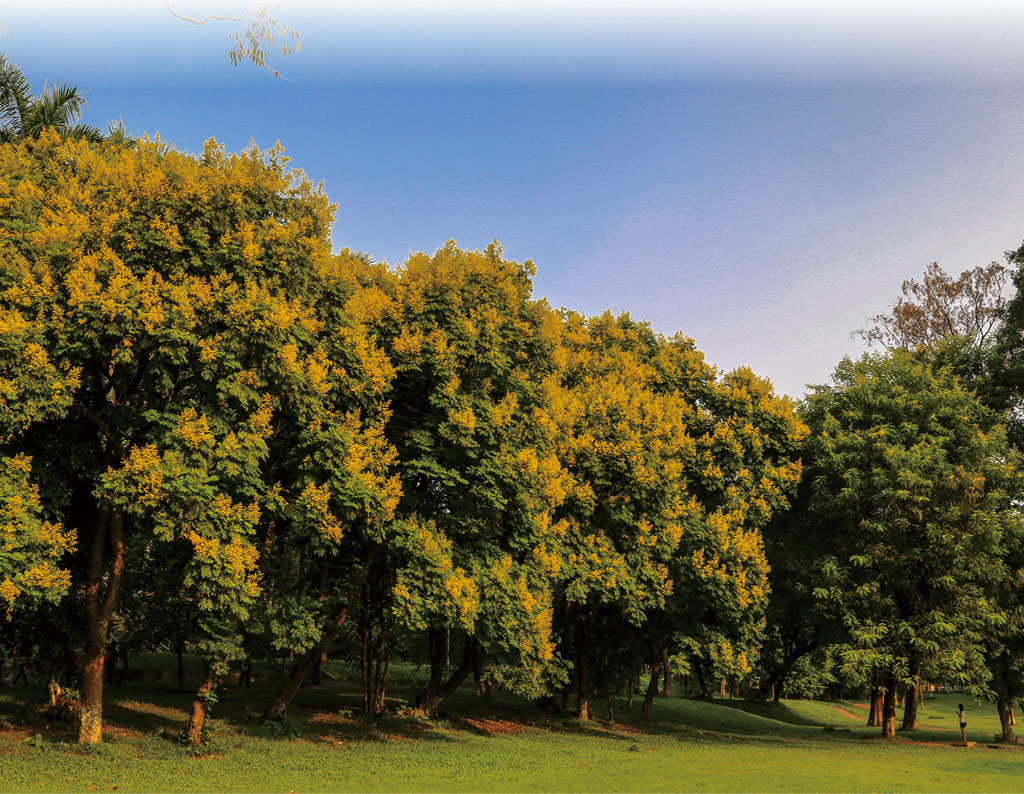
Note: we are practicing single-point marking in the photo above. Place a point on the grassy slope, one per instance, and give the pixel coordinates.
(501, 744)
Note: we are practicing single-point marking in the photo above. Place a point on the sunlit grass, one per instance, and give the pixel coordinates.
(499, 743)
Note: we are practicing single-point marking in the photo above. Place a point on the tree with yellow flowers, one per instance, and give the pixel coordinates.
(625, 446)
(676, 470)
(471, 352)
(334, 489)
(164, 292)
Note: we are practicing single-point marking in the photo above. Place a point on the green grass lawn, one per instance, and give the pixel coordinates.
(497, 743)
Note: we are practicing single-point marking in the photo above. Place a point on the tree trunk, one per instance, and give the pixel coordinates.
(381, 677)
(778, 689)
(478, 676)
(1005, 708)
(704, 691)
(911, 701)
(889, 708)
(608, 698)
(304, 665)
(431, 698)
(652, 689)
(1013, 720)
(583, 694)
(376, 657)
(910, 709)
(427, 699)
(99, 608)
(875, 712)
(563, 700)
(629, 694)
(53, 688)
(197, 719)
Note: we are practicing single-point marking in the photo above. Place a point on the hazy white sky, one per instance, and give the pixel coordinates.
(759, 175)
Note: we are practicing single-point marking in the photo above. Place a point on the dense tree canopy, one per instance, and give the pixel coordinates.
(278, 449)
(914, 477)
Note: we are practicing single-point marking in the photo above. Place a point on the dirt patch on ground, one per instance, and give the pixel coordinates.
(490, 726)
(330, 718)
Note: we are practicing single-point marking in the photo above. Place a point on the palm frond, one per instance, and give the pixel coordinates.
(15, 97)
(58, 106)
(118, 134)
(85, 132)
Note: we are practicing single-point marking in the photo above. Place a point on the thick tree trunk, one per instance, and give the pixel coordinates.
(911, 701)
(875, 712)
(431, 699)
(910, 708)
(1005, 708)
(197, 719)
(667, 676)
(583, 693)
(563, 700)
(304, 665)
(889, 708)
(427, 699)
(99, 608)
(652, 689)
(376, 657)
(778, 689)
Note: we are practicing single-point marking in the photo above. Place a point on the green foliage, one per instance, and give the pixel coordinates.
(914, 479)
(30, 549)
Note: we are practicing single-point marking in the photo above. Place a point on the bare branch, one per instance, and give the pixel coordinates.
(212, 17)
(940, 306)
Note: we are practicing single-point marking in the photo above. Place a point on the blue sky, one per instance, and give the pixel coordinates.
(761, 176)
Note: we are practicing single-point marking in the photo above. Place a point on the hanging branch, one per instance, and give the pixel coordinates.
(257, 28)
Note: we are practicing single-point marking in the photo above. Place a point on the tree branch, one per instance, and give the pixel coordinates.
(205, 20)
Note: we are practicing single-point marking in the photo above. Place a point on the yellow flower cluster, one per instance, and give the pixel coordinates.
(261, 421)
(45, 576)
(9, 591)
(194, 429)
(204, 548)
(464, 595)
(240, 559)
(316, 499)
(144, 472)
(464, 419)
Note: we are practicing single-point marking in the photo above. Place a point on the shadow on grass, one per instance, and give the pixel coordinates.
(779, 712)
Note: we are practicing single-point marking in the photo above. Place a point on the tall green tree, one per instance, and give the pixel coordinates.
(914, 477)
